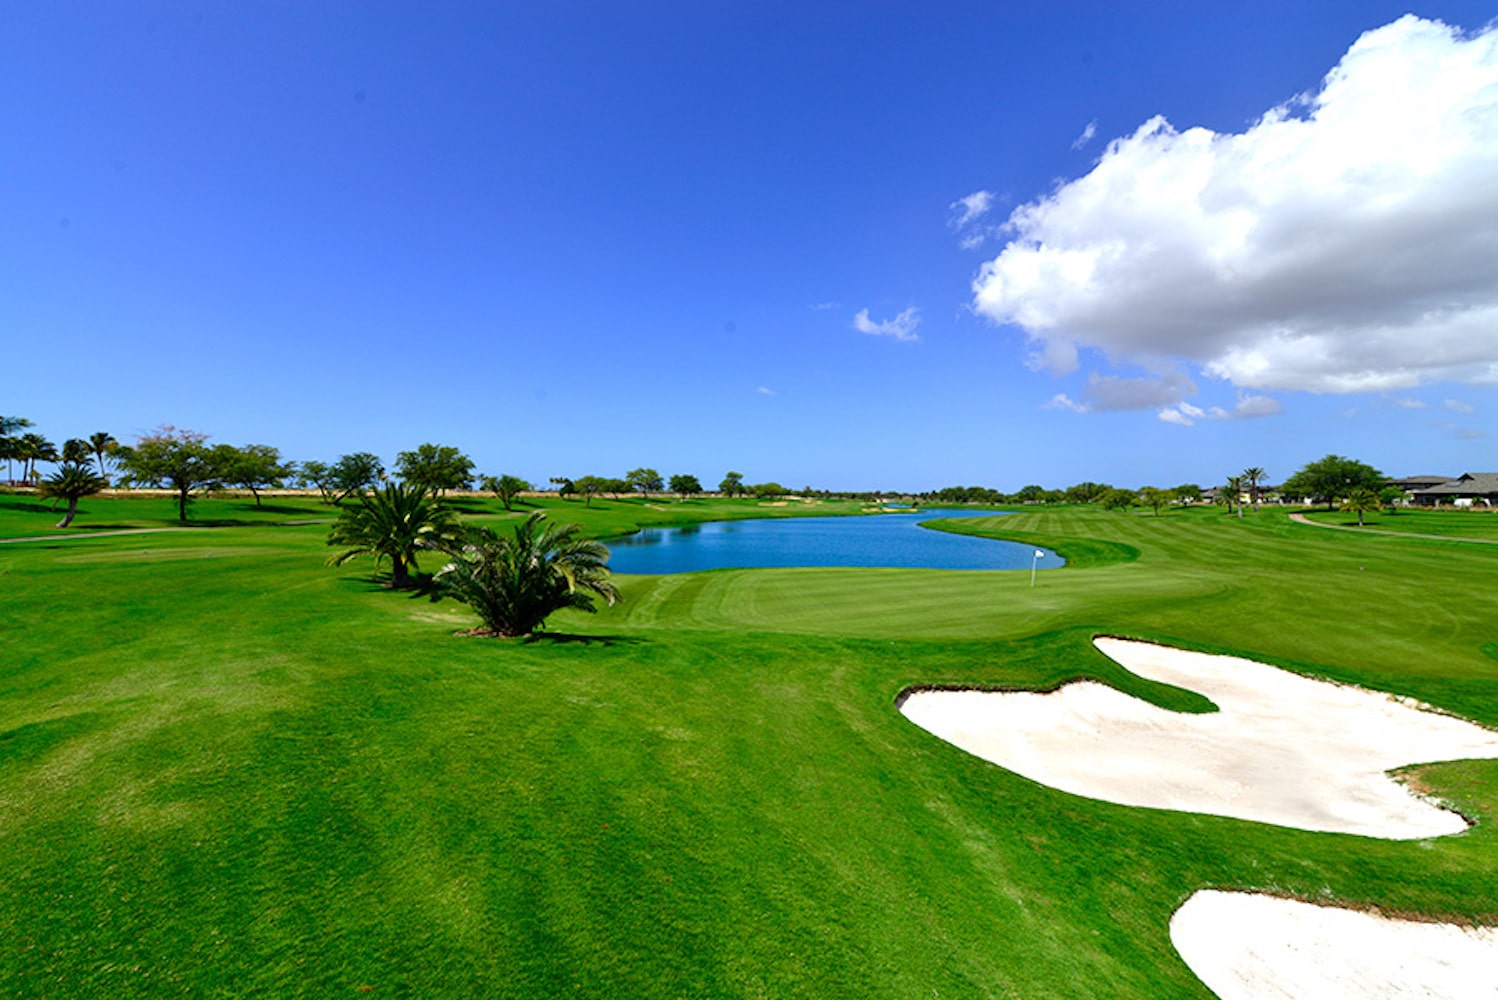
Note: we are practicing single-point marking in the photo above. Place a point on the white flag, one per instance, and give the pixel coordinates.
(1039, 554)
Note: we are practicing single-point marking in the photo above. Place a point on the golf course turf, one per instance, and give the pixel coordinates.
(227, 769)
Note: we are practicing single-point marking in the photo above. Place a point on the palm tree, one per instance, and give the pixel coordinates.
(515, 582)
(10, 446)
(1252, 477)
(395, 522)
(1360, 500)
(75, 451)
(34, 448)
(71, 482)
(10, 451)
(102, 442)
(1235, 494)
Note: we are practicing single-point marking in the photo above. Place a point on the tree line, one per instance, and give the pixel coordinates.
(184, 462)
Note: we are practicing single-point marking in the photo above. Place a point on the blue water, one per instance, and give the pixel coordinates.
(882, 540)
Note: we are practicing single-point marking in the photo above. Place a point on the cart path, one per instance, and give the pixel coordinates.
(1302, 519)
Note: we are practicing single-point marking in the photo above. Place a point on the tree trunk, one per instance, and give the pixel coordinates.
(72, 510)
(182, 505)
(399, 578)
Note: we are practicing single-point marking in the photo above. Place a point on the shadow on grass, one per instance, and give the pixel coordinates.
(271, 508)
(29, 506)
(570, 638)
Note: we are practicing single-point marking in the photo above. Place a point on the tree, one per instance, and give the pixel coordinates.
(394, 522)
(10, 448)
(178, 459)
(1029, 494)
(507, 488)
(1156, 498)
(565, 487)
(435, 467)
(515, 582)
(589, 487)
(1331, 478)
(644, 480)
(685, 486)
(1253, 477)
(1234, 490)
(31, 449)
(102, 443)
(732, 484)
(354, 474)
(254, 467)
(75, 451)
(1086, 492)
(71, 482)
(10, 451)
(1187, 492)
(768, 491)
(316, 474)
(1115, 499)
(1361, 499)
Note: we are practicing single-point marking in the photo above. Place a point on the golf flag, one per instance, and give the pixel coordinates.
(1039, 554)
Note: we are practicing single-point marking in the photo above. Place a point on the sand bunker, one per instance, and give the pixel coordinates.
(1282, 748)
(1245, 945)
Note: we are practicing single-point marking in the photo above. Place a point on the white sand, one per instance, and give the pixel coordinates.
(1282, 748)
(1244, 945)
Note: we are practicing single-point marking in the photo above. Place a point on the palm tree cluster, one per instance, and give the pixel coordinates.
(1250, 481)
(395, 522)
(29, 448)
(515, 581)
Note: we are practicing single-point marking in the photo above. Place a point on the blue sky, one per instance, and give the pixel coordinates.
(579, 238)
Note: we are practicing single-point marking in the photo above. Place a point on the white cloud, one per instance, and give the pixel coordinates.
(973, 206)
(973, 241)
(1086, 136)
(1061, 401)
(1344, 243)
(1249, 407)
(823, 306)
(1184, 415)
(1165, 394)
(1405, 403)
(902, 327)
(1457, 406)
(765, 391)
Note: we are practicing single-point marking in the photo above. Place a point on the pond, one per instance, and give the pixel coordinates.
(885, 540)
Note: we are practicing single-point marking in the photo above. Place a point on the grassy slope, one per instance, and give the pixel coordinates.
(227, 770)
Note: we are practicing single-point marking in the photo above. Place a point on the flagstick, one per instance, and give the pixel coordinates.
(1033, 560)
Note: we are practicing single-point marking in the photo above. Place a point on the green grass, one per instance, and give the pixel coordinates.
(1475, 523)
(22, 515)
(228, 770)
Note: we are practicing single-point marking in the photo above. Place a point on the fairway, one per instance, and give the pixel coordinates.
(227, 769)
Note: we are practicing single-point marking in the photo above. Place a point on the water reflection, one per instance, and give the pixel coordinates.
(887, 540)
